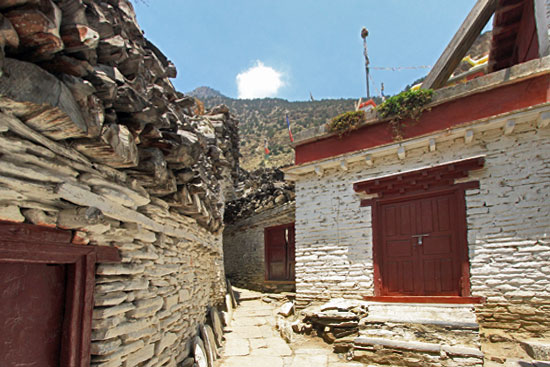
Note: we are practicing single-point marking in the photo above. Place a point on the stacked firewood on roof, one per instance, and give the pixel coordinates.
(260, 190)
(111, 102)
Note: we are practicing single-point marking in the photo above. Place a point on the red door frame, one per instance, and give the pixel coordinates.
(25, 243)
(266, 256)
(458, 191)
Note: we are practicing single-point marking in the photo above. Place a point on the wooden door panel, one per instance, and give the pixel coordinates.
(419, 240)
(437, 244)
(406, 221)
(400, 274)
(291, 253)
(443, 216)
(399, 248)
(32, 308)
(280, 253)
(390, 224)
(427, 217)
(438, 277)
(277, 271)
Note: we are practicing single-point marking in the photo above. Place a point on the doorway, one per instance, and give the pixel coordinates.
(280, 253)
(420, 246)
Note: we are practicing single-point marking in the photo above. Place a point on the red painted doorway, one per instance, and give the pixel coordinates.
(420, 247)
(46, 296)
(32, 305)
(280, 253)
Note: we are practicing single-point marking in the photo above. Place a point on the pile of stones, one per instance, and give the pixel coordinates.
(336, 322)
(260, 190)
(391, 334)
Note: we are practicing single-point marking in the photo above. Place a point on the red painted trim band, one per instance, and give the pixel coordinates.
(507, 98)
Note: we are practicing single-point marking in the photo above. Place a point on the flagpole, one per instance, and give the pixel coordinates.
(364, 34)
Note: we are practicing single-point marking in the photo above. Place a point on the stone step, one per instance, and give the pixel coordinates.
(432, 334)
(460, 351)
(520, 363)
(417, 312)
(537, 348)
(440, 324)
(389, 352)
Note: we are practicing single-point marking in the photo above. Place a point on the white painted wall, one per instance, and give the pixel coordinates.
(508, 218)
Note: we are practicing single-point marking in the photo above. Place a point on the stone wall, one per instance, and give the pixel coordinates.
(507, 225)
(243, 246)
(148, 306)
(95, 139)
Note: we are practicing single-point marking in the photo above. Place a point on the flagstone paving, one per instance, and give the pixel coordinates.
(253, 341)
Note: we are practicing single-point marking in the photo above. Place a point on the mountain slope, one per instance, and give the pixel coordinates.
(265, 118)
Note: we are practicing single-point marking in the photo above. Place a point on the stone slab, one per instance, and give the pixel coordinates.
(537, 349)
(263, 361)
(236, 346)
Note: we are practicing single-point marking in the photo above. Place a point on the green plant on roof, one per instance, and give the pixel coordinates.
(346, 122)
(405, 105)
(408, 104)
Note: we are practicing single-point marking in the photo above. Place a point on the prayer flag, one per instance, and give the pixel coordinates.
(289, 131)
(266, 146)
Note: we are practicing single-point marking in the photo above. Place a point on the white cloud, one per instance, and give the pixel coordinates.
(259, 81)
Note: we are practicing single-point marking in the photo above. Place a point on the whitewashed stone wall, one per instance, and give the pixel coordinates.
(244, 246)
(508, 226)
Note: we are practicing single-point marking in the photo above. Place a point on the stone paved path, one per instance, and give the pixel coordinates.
(253, 341)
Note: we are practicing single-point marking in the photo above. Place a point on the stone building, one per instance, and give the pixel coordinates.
(258, 239)
(112, 192)
(453, 211)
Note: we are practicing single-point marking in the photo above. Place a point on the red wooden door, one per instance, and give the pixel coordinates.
(32, 298)
(420, 246)
(279, 253)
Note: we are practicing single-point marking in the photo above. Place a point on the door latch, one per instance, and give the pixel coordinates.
(420, 238)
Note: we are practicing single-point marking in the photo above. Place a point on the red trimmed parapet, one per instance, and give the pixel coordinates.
(519, 87)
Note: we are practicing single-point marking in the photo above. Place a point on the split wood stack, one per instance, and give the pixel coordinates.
(111, 104)
(260, 190)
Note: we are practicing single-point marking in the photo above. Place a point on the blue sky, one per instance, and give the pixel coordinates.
(299, 46)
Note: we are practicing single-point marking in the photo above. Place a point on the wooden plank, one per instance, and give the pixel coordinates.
(460, 44)
(34, 234)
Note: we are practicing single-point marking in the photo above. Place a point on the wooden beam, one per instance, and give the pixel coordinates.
(469, 136)
(543, 26)
(319, 171)
(460, 44)
(432, 145)
(343, 165)
(369, 161)
(509, 126)
(543, 120)
(401, 153)
(107, 254)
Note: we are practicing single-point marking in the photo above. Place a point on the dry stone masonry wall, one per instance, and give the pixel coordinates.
(507, 220)
(263, 200)
(95, 139)
(244, 246)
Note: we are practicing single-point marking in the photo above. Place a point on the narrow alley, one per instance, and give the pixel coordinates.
(252, 340)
